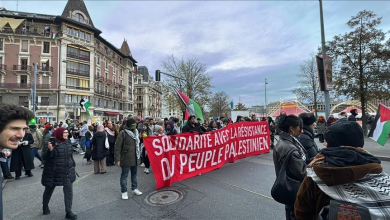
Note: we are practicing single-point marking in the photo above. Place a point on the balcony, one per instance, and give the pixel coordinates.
(3, 67)
(103, 93)
(100, 78)
(122, 86)
(77, 56)
(24, 31)
(77, 87)
(109, 81)
(22, 68)
(45, 68)
(117, 96)
(77, 72)
(116, 85)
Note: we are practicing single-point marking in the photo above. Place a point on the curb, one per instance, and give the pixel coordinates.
(382, 158)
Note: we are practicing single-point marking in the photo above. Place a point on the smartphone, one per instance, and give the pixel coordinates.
(53, 141)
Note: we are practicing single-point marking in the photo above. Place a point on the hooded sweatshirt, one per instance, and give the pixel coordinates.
(359, 183)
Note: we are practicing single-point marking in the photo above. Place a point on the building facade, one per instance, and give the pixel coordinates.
(74, 62)
(147, 94)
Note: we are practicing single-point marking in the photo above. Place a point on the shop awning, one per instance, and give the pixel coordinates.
(13, 23)
(113, 113)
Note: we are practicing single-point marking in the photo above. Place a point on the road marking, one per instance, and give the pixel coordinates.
(250, 191)
(88, 174)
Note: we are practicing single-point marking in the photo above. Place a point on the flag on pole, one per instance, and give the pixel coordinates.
(66, 114)
(84, 103)
(380, 129)
(192, 108)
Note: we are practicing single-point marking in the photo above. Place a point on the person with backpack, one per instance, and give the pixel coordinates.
(342, 177)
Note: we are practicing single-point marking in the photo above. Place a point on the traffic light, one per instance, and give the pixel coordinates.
(158, 76)
(33, 121)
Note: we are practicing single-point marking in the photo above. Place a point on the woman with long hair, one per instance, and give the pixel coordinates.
(291, 128)
(99, 150)
(59, 170)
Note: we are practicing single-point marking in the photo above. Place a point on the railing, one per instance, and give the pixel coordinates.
(117, 96)
(21, 68)
(103, 93)
(77, 87)
(122, 86)
(109, 81)
(45, 68)
(33, 32)
(77, 56)
(44, 103)
(47, 86)
(77, 72)
(3, 67)
(116, 85)
(100, 78)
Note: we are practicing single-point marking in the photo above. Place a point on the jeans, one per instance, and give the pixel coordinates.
(82, 142)
(68, 195)
(35, 153)
(9, 161)
(124, 174)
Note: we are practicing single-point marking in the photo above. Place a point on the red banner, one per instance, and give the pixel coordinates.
(178, 157)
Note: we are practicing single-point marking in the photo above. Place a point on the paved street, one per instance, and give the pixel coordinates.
(239, 190)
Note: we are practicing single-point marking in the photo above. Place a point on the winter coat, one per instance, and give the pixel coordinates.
(111, 138)
(38, 138)
(307, 141)
(189, 128)
(23, 154)
(59, 165)
(296, 168)
(46, 140)
(126, 149)
(98, 146)
(311, 199)
(352, 118)
(321, 127)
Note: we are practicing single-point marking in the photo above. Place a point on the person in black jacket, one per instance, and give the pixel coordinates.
(59, 170)
(307, 137)
(88, 141)
(353, 115)
(21, 157)
(192, 125)
(212, 126)
(99, 150)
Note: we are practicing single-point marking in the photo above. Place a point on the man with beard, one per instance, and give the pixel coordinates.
(13, 126)
(352, 117)
(192, 125)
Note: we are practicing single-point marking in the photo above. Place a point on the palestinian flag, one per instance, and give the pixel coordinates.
(53, 35)
(381, 127)
(192, 108)
(84, 103)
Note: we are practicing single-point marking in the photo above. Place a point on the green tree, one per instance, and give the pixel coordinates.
(240, 106)
(197, 84)
(308, 90)
(359, 60)
(219, 103)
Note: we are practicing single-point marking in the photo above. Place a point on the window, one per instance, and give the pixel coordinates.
(23, 79)
(23, 100)
(46, 47)
(76, 33)
(139, 81)
(87, 37)
(78, 17)
(97, 102)
(98, 60)
(23, 63)
(69, 31)
(114, 105)
(24, 46)
(121, 73)
(105, 103)
(1, 44)
(120, 105)
(76, 83)
(106, 75)
(82, 34)
(106, 65)
(97, 88)
(47, 31)
(45, 101)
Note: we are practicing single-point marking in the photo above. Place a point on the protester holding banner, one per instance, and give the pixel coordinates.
(145, 132)
(171, 129)
(192, 125)
(126, 154)
(212, 126)
(291, 128)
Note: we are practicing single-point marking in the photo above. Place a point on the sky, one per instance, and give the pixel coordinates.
(242, 43)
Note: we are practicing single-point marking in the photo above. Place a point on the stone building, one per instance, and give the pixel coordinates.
(74, 62)
(147, 94)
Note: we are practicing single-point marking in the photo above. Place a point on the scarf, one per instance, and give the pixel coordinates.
(136, 138)
(347, 156)
(109, 131)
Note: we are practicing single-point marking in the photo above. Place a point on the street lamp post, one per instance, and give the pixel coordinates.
(326, 92)
(34, 102)
(265, 96)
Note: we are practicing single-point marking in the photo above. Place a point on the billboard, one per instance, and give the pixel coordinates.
(324, 67)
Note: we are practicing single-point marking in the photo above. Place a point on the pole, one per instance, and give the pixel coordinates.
(326, 92)
(265, 96)
(35, 88)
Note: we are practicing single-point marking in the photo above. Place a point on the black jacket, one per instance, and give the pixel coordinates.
(22, 155)
(296, 168)
(352, 118)
(189, 128)
(59, 165)
(99, 150)
(307, 141)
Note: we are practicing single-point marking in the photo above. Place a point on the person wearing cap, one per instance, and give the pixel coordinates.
(307, 137)
(344, 171)
(126, 153)
(353, 115)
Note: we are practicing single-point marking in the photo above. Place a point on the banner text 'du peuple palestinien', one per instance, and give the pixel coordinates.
(178, 157)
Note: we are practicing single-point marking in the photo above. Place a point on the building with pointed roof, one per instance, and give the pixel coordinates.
(73, 60)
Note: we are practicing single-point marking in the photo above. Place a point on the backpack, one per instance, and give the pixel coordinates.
(341, 210)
